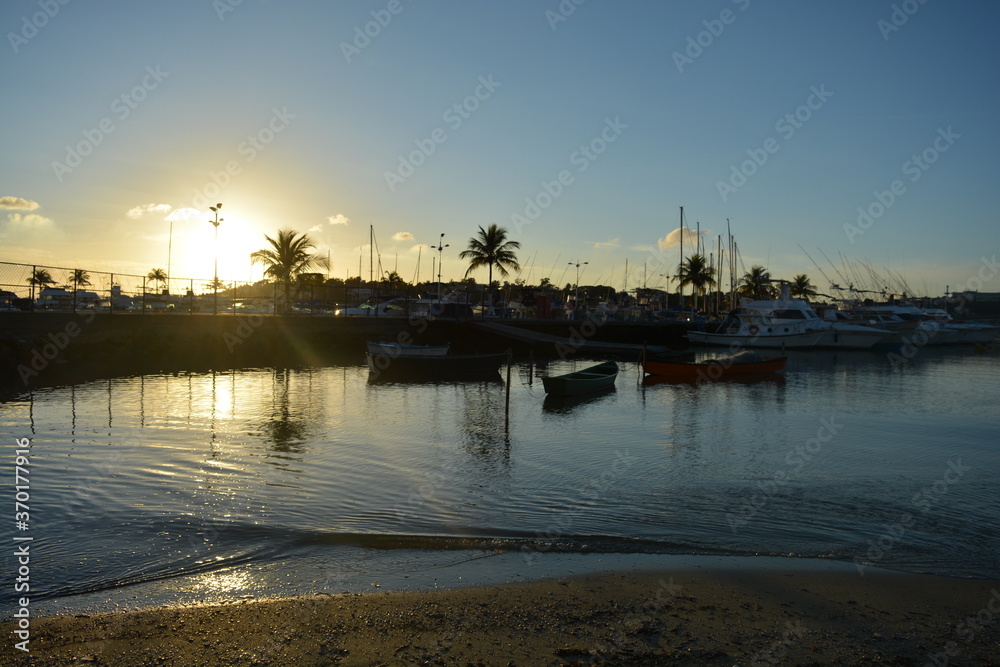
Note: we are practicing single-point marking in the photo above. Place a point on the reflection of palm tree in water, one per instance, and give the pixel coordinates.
(483, 431)
(284, 430)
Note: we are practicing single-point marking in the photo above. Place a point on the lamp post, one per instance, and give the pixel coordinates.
(576, 292)
(215, 281)
(170, 248)
(440, 248)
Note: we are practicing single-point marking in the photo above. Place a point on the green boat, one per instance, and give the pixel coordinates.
(588, 380)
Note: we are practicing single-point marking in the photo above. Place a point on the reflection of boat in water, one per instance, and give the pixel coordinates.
(557, 404)
(400, 350)
(595, 378)
(742, 364)
(437, 366)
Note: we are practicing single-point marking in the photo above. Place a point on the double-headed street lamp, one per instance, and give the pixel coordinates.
(440, 248)
(215, 281)
(576, 293)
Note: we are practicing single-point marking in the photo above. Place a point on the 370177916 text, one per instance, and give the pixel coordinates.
(22, 517)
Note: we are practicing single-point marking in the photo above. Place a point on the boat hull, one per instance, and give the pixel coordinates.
(399, 350)
(595, 378)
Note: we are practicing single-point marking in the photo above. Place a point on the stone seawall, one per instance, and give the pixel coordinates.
(38, 349)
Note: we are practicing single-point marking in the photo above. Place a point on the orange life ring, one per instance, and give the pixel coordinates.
(754, 329)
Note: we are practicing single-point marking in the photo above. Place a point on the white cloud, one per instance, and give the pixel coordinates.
(613, 243)
(29, 220)
(673, 239)
(139, 211)
(402, 236)
(18, 203)
(184, 214)
(338, 219)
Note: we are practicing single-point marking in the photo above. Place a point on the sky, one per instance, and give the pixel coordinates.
(842, 140)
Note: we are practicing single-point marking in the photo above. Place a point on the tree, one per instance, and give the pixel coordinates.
(158, 276)
(697, 273)
(491, 248)
(755, 283)
(394, 280)
(215, 285)
(80, 278)
(41, 277)
(802, 287)
(289, 255)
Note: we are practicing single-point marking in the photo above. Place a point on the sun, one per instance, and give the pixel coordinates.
(196, 249)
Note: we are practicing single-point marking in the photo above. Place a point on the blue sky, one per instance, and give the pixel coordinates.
(783, 117)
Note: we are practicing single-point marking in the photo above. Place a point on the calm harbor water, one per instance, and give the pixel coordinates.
(212, 487)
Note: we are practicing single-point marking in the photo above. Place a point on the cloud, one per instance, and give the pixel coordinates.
(338, 219)
(613, 243)
(184, 214)
(315, 229)
(29, 220)
(402, 236)
(673, 239)
(139, 211)
(18, 203)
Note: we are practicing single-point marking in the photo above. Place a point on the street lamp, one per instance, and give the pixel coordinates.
(440, 248)
(576, 293)
(215, 281)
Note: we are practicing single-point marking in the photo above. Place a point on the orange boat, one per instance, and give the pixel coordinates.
(722, 368)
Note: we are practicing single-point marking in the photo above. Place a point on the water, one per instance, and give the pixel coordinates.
(213, 487)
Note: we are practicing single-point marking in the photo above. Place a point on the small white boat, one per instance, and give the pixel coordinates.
(394, 350)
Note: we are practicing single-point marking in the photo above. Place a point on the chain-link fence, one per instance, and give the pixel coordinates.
(37, 288)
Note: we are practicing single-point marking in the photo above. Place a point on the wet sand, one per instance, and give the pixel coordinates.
(711, 617)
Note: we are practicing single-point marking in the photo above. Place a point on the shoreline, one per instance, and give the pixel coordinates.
(749, 615)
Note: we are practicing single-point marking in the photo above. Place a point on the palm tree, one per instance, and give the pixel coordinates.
(755, 283)
(288, 256)
(802, 287)
(81, 278)
(158, 276)
(41, 277)
(697, 273)
(491, 248)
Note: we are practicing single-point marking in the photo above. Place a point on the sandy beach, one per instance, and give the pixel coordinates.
(693, 617)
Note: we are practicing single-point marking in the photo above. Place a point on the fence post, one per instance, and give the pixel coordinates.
(111, 299)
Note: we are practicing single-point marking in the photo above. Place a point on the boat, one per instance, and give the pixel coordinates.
(788, 323)
(400, 350)
(721, 368)
(436, 366)
(595, 378)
